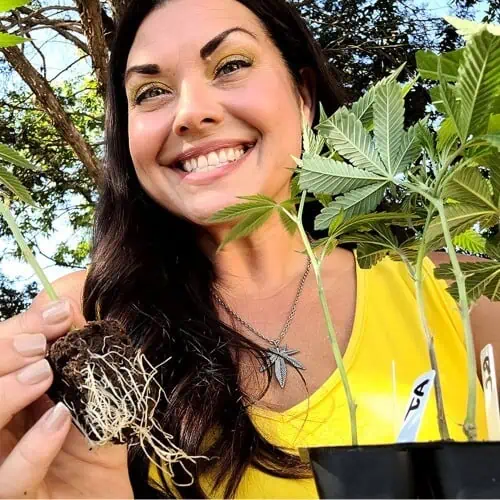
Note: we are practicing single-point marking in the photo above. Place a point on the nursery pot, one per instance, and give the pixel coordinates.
(441, 469)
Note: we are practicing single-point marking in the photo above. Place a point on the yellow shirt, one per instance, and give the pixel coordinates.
(386, 329)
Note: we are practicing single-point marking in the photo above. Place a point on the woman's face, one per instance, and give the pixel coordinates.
(213, 112)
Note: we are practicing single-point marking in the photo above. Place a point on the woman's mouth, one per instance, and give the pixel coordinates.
(213, 165)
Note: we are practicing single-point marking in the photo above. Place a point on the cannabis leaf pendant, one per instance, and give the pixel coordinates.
(279, 356)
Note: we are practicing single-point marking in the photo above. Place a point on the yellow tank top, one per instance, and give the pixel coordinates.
(386, 329)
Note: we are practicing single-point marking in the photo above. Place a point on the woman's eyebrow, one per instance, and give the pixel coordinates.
(206, 51)
(209, 48)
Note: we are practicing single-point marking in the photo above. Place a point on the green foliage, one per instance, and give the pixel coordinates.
(6, 5)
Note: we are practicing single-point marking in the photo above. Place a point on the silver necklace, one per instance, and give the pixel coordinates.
(277, 356)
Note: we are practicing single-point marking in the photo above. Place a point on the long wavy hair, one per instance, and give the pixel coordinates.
(149, 273)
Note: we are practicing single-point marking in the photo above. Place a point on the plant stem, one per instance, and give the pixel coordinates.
(28, 254)
(329, 323)
(418, 277)
(470, 419)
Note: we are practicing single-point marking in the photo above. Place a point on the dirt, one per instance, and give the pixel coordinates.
(69, 355)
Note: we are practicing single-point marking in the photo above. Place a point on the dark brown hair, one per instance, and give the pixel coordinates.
(149, 273)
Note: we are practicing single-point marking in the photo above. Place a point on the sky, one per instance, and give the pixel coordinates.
(62, 54)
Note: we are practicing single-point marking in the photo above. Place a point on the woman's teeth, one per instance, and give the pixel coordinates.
(215, 159)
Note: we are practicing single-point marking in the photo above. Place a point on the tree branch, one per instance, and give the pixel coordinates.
(54, 109)
(118, 8)
(90, 13)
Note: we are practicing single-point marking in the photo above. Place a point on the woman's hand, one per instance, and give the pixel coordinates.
(42, 455)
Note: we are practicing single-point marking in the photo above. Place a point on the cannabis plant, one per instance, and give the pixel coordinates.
(443, 177)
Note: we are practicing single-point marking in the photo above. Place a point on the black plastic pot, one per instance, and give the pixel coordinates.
(414, 470)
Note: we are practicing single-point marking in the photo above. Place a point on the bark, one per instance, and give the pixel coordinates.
(54, 109)
(90, 13)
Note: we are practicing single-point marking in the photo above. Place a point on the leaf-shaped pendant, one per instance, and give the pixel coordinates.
(277, 358)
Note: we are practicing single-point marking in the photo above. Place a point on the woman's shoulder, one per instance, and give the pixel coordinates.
(68, 286)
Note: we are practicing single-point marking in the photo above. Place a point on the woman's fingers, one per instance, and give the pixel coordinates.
(52, 319)
(27, 465)
(21, 350)
(20, 388)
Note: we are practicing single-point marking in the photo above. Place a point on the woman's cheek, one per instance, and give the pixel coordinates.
(146, 136)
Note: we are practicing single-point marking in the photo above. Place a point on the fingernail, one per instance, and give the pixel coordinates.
(30, 345)
(56, 312)
(56, 417)
(32, 374)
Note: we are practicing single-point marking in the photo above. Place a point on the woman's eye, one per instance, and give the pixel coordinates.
(232, 66)
(149, 93)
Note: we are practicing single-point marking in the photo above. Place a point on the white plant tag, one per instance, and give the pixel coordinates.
(488, 376)
(416, 407)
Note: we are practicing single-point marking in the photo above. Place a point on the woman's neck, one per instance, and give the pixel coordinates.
(260, 265)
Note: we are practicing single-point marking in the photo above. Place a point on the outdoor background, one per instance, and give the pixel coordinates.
(52, 90)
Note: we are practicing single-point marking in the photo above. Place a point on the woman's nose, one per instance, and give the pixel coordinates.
(197, 110)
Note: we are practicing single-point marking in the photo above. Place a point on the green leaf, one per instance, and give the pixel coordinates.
(426, 140)
(336, 223)
(324, 199)
(311, 143)
(411, 146)
(468, 185)
(251, 222)
(6, 5)
(493, 139)
(470, 241)
(468, 29)
(363, 107)
(481, 278)
(388, 119)
(446, 136)
(7, 40)
(460, 217)
(320, 175)
(288, 223)
(254, 204)
(493, 247)
(427, 64)
(450, 104)
(15, 186)
(356, 202)
(494, 124)
(478, 81)
(346, 134)
(13, 157)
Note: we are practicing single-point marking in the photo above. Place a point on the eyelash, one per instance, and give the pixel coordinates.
(142, 94)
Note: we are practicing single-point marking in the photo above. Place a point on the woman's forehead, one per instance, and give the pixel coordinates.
(184, 25)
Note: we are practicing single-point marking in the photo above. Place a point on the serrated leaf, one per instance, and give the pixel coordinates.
(493, 247)
(363, 107)
(7, 40)
(359, 201)
(446, 136)
(348, 137)
(295, 188)
(320, 175)
(478, 81)
(493, 139)
(450, 104)
(6, 5)
(388, 120)
(460, 217)
(14, 186)
(248, 224)
(426, 140)
(494, 124)
(311, 143)
(411, 146)
(253, 205)
(288, 223)
(13, 157)
(324, 199)
(336, 223)
(481, 278)
(467, 185)
(470, 241)
(427, 64)
(467, 28)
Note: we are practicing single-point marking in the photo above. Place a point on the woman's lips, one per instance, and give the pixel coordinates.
(198, 178)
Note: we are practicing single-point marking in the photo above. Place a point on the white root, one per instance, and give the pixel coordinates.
(128, 404)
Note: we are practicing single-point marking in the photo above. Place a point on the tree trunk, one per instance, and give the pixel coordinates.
(54, 109)
(90, 13)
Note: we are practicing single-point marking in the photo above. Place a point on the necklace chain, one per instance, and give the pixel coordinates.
(288, 322)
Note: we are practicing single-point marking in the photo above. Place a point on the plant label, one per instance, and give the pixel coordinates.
(488, 376)
(416, 407)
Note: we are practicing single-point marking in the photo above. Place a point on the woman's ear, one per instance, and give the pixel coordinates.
(307, 94)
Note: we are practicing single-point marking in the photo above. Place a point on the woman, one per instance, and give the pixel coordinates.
(205, 104)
